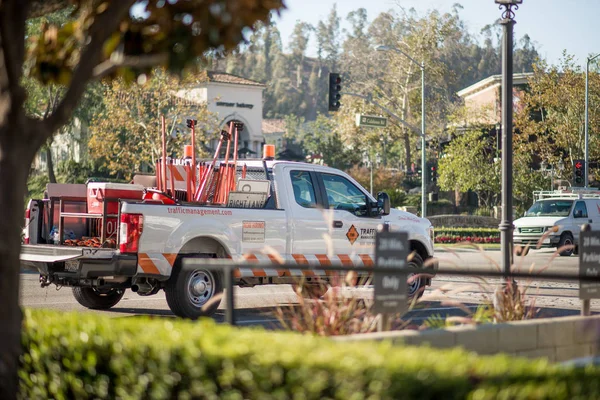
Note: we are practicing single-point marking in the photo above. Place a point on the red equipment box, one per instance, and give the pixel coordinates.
(98, 192)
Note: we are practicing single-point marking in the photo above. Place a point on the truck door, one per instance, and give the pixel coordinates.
(353, 229)
(308, 224)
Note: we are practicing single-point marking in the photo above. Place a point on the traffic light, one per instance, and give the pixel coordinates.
(578, 173)
(335, 88)
(189, 122)
(432, 173)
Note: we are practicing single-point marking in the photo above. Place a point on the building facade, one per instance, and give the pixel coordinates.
(232, 98)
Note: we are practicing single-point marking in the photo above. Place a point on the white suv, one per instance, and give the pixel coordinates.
(555, 220)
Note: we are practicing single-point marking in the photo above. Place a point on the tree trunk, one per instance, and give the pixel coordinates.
(407, 149)
(50, 163)
(15, 158)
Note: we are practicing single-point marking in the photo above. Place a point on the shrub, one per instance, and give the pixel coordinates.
(467, 235)
(83, 355)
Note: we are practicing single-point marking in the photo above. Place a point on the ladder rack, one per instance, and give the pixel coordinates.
(574, 193)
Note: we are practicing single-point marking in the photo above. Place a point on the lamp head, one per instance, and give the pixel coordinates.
(383, 48)
(509, 2)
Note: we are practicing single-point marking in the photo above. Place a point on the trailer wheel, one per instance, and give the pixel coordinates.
(97, 299)
(193, 293)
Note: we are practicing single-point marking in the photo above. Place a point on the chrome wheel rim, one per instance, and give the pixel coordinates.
(414, 284)
(200, 287)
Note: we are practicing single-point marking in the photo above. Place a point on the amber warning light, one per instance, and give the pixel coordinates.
(269, 152)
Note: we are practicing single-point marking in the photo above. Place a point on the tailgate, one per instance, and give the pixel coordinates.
(53, 253)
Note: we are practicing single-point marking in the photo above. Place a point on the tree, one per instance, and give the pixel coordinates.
(551, 114)
(320, 137)
(126, 135)
(104, 39)
(468, 164)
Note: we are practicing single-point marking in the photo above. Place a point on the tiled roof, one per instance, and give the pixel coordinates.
(223, 77)
(273, 126)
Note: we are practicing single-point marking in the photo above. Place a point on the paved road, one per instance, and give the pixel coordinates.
(447, 296)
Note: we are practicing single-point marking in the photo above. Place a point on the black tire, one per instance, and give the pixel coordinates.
(417, 286)
(566, 239)
(193, 293)
(97, 299)
(521, 250)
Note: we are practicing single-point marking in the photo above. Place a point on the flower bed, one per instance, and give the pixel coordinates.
(466, 235)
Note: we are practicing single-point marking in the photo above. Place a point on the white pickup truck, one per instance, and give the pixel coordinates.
(312, 215)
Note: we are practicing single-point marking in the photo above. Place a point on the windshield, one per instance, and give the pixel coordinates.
(550, 208)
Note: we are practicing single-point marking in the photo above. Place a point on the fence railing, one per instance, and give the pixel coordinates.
(227, 267)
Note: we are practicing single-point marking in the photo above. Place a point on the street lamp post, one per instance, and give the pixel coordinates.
(421, 65)
(506, 225)
(587, 137)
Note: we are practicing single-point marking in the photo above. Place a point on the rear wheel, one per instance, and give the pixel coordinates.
(193, 293)
(566, 240)
(98, 299)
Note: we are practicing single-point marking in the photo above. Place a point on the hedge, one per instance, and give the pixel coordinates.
(83, 355)
(473, 235)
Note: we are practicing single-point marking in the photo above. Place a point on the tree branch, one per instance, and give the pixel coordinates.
(104, 25)
(44, 7)
(12, 46)
(109, 66)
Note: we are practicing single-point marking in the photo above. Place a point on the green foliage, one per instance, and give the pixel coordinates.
(36, 186)
(397, 197)
(468, 165)
(320, 137)
(461, 235)
(126, 135)
(384, 180)
(70, 171)
(467, 231)
(83, 355)
(484, 314)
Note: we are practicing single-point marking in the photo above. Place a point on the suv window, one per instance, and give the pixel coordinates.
(344, 195)
(304, 191)
(580, 210)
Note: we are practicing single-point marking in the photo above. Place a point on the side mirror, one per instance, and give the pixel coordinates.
(578, 213)
(383, 203)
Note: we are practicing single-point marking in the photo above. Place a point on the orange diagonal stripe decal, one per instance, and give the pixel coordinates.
(171, 257)
(366, 259)
(345, 259)
(147, 265)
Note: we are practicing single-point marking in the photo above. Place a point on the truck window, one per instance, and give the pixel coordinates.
(580, 210)
(344, 195)
(304, 191)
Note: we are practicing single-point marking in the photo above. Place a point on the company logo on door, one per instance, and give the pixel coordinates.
(354, 234)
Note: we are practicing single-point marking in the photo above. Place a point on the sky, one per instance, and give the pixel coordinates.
(554, 26)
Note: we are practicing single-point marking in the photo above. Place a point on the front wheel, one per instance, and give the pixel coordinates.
(416, 282)
(193, 293)
(97, 299)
